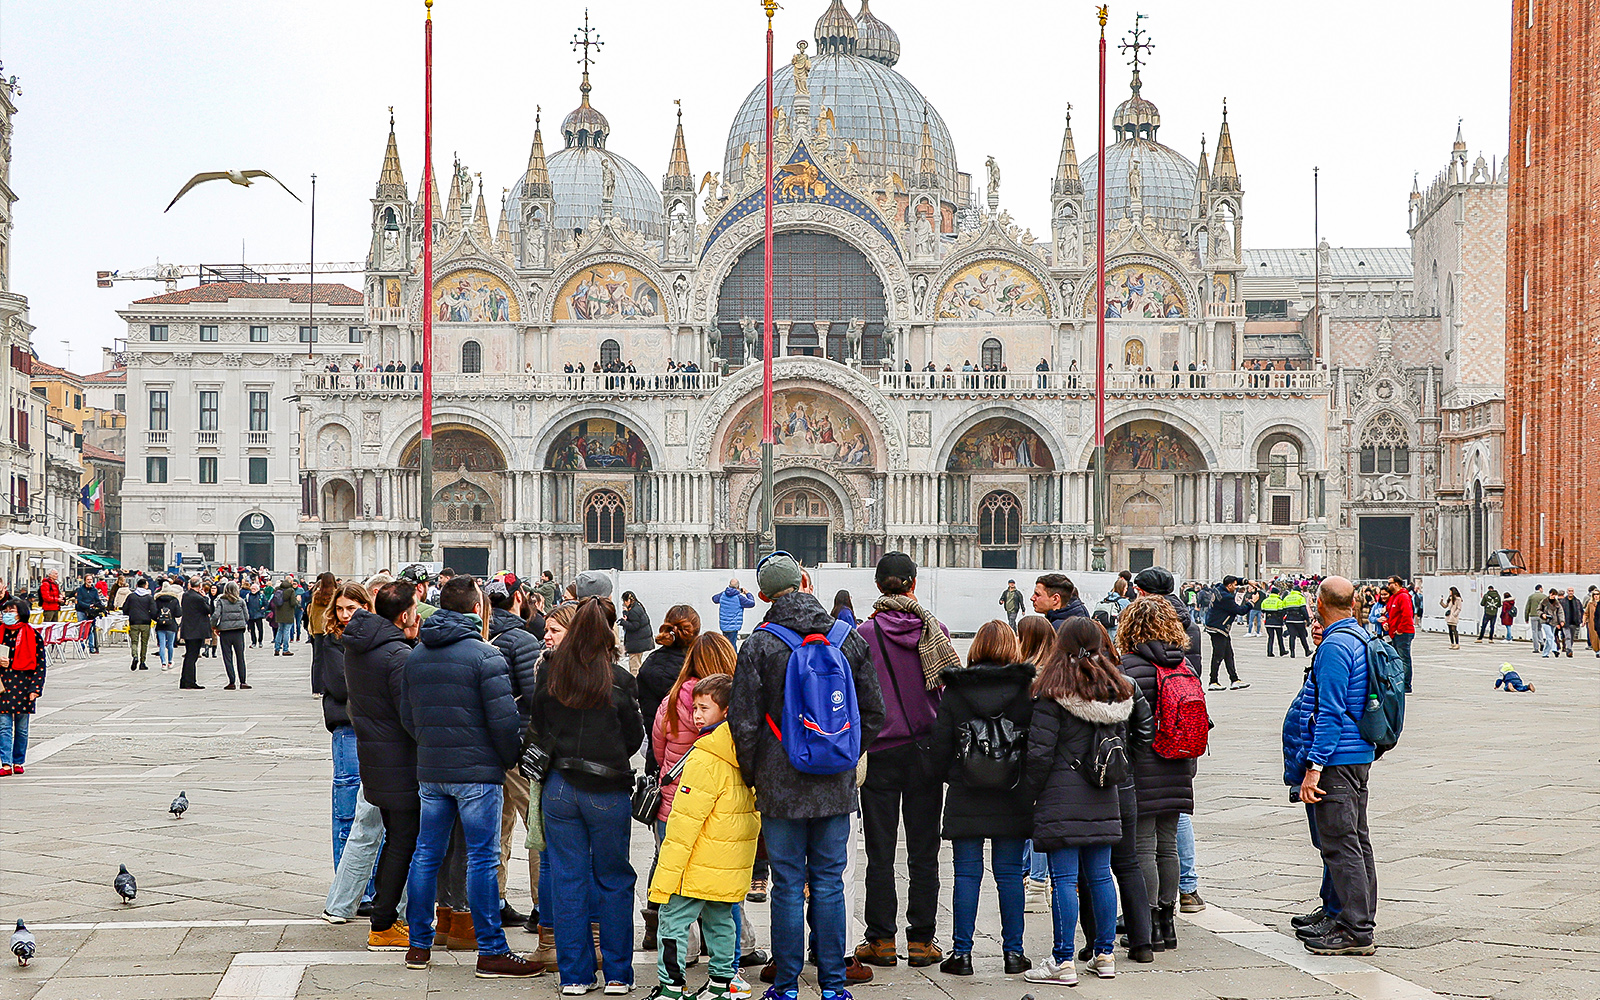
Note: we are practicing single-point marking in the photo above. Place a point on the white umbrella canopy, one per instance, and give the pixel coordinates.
(16, 540)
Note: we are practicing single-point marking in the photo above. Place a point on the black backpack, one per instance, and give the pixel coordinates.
(989, 752)
(164, 615)
(1105, 762)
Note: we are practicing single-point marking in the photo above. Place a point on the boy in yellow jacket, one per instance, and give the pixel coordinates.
(710, 846)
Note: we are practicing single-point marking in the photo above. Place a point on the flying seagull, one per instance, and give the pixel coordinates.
(22, 943)
(126, 887)
(243, 178)
(180, 805)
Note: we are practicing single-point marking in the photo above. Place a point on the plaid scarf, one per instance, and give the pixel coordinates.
(933, 648)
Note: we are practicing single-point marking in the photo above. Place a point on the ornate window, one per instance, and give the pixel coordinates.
(610, 352)
(1385, 446)
(815, 276)
(1133, 354)
(1000, 520)
(801, 505)
(993, 353)
(471, 357)
(603, 518)
(462, 502)
(1141, 511)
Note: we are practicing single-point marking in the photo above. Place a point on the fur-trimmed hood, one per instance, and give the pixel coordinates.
(1099, 713)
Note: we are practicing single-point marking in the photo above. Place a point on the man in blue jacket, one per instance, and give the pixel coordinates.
(731, 606)
(1337, 761)
(1221, 610)
(457, 704)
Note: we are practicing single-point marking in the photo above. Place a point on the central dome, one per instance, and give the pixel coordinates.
(874, 107)
(1166, 176)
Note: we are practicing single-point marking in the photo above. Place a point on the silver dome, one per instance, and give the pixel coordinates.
(875, 107)
(1166, 183)
(575, 179)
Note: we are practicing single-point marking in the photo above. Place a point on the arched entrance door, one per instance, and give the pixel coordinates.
(802, 517)
(256, 541)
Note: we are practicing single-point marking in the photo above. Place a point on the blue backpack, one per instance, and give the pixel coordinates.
(821, 725)
(1385, 714)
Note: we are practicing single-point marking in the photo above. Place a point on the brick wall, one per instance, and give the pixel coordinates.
(1553, 287)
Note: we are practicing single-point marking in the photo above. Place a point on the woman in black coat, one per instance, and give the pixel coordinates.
(660, 669)
(1080, 697)
(993, 685)
(1149, 635)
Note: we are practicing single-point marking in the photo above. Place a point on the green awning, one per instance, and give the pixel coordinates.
(95, 559)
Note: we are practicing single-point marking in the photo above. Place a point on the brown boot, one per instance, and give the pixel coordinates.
(443, 919)
(922, 953)
(507, 966)
(651, 918)
(463, 935)
(545, 954)
(878, 952)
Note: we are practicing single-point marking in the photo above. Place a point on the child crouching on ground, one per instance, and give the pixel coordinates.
(1511, 680)
(706, 857)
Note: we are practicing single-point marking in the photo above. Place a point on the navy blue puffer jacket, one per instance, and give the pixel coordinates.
(458, 700)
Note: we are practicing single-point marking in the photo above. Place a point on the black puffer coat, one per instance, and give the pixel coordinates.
(330, 671)
(1068, 811)
(657, 674)
(1164, 785)
(522, 652)
(1192, 629)
(637, 635)
(982, 690)
(758, 690)
(374, 659)
(458, 704)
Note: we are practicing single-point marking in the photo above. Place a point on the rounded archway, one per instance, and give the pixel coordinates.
(824, 287)
(810, 427)
(802, 517)
(256, 543)
(597, 444)
(338, 502)
(1151, 446)
(456, 446)
(1000, 443)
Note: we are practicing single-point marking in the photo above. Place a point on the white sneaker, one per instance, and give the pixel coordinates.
(1217, 686)
(1038, 900)
(577, 989)
(1240, 685)
(334, 918)
(1103, 966)
(618, 989)
(1049, 973)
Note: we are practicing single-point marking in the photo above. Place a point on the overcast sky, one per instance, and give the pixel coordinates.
(122, 102)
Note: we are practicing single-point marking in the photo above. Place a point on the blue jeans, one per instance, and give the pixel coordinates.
(280, 637)
(1005, 857)
(478, 807)
(353, 879)
(1096, 863)
(1546, 631)
(1188, 880)
(1037, 862)
(1330, 895)
(346, 787)
(1508, 632)
(165, 643)
(732, 637)
(1402, 645)
(14, 739)
(1253, 623)
(586, 841)
(801, 851)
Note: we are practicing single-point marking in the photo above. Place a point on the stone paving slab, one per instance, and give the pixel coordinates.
(1488, 838)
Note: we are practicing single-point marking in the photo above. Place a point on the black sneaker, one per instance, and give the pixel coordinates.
(1311, 932)
(509, 917)
(1308, 919)
(365, 908)
(1339, 941)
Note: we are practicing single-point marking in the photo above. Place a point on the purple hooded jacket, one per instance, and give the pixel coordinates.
(909, 707)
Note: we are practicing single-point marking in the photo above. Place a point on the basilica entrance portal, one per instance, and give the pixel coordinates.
(801, 517)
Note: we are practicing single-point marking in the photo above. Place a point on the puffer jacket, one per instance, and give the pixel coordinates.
(710, 844)
(637, 635)
(665, 747)
(909, 707)
(1068, 811)
(981, 691)
(167, 605)
(1074, 608)
(139, 606)
(375, 653)
(607, 735)
(228, 616)
(758, 691)
(328, 666)
(731, 605)
(458, 704)
(657, 674)
(1298, 732)
(1338, 678)
(255, 602)
(1190, 626)
(522, 652)
(1163, 785)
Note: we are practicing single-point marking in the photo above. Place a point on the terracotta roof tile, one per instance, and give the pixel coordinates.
(222, 291)
(115, 376)
(100, 454)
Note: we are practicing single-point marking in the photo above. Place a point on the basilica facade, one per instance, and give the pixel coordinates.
(934, 361)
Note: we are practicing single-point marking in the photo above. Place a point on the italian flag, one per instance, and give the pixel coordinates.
(92, 495)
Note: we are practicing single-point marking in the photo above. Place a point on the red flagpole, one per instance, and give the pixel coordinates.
(426, 456)
(768, 540)
(1100, 377)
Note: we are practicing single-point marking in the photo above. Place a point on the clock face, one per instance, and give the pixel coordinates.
(256, 521)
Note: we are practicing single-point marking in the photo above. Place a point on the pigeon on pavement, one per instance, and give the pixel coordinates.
(180, 805)
(126, 887)
(22, 943)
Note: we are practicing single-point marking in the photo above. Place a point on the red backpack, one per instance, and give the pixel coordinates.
(1182, 724)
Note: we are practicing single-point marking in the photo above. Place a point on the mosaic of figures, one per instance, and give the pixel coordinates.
(1000, 443)
(993, 289)
(609, 292)
(805, 424)
(597, 444)
(1150, 445)
(1139, 291)
(457, 448)
(474, 296)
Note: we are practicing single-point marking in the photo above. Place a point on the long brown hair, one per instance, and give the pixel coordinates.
(352, 591)
(1034, 635)
(1078, 665)
(1150, 619)
(325, 590)
(581, 667)
(994, 643)
(712, 653)
(679, 628)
